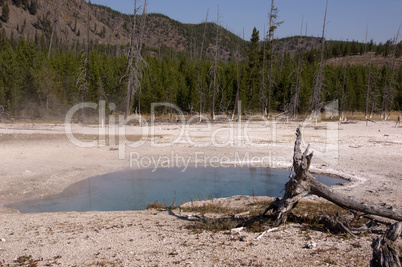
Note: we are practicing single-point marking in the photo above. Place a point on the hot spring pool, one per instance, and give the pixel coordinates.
(134, 189)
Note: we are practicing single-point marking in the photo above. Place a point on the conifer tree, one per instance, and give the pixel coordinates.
(25, 4)
(5, 12)
(17, 3)
(254, 67)
(33, 7)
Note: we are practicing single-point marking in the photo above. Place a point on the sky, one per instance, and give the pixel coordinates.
(346, 19)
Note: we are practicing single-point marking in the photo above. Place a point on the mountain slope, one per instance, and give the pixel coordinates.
(106, 26)
(69, 20)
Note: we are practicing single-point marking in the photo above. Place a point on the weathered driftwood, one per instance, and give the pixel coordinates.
(335, 225)
(267, 231)
(302, 183)
(343, 224)
(385, 253)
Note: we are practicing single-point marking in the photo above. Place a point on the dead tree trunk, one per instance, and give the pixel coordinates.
(86, 72)
(369, 79)
(273, 25)
(135, 60)
(317, 90)
(141, 62)
(200, 86)
(342, 96)
(215, 68)
(262, 90)
(294, 103)
(374, 92)
(302, 183)
(368, 90)
(237, 100)
(131, 63)
(385, 253)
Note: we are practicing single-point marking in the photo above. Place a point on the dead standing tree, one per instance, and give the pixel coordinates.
(263, 89)
(296, 88)
(237, 103)
(374, 92)
(215, 69)
(200, 83)
(389, 91)
(83, 75)
(273, 25)
(366, 114)
(342, 95)
(317, 92)
(135, 59)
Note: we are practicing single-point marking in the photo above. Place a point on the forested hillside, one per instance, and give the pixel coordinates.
(71, 22)
(40, 80)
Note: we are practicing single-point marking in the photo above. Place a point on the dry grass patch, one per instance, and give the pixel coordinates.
(159, 206)
(218, 217)
(215, 209)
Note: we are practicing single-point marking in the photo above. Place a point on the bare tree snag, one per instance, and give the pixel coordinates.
(317, 90)
(273, 25)
(385, 254)
(295, 101)
(302, 183)
(135, 60)
(130, 68)
(215, 68)
(263, 89)
(83, 76)
(237, 103)
(200, 86)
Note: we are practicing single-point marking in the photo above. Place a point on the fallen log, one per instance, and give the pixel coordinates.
(301, 183)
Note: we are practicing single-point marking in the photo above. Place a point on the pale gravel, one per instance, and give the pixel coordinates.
(37, 160)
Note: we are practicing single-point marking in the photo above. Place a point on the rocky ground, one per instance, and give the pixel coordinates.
(39, 160)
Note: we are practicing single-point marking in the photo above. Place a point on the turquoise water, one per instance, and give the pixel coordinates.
(134, 189)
